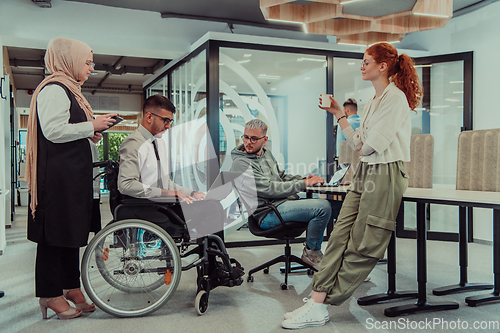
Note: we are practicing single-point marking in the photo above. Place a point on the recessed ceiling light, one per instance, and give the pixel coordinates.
(458, 92)
(348, 1)
(243, 61)
(304, 27)
(273, 89)
(456, 81)
(350, 63)
(246, 55)
(234, 87)
(432, 15)
(311, 59)
(341, 43)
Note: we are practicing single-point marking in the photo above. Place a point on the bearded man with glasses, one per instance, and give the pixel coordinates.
(275, 187)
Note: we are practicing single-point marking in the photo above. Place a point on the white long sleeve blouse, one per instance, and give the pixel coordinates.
(53, 113)
(385, 127)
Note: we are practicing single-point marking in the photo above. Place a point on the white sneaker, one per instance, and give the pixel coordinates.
(309, 314)
(289, 315)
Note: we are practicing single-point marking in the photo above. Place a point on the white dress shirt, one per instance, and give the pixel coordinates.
(138, 176)
(53, 113)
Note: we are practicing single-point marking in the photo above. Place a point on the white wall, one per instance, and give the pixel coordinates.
(478, 32)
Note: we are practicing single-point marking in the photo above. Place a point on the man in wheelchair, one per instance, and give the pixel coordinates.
(140, 190)
(144, 171)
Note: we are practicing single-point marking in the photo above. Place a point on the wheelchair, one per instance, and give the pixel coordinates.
(133, 266)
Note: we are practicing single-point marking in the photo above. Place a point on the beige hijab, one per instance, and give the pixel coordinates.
(65, 59)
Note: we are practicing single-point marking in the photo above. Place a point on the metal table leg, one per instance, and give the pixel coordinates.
(495, 295)
(463, 285)
(422, 305)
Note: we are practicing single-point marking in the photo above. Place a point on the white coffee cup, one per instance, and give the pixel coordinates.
(325, 100)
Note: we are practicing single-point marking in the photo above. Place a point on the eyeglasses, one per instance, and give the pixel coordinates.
(91, 64)
(166, 120)
(364, 63)
(252, 139)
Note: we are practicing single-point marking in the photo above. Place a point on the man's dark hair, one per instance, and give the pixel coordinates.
(352, 104)
(156, 102)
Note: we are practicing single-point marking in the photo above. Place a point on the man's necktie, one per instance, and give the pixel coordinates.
(160, 183)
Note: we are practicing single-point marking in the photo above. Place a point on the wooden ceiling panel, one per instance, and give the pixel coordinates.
(328, 18)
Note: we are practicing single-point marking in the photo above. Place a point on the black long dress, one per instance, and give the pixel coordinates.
(64, 178)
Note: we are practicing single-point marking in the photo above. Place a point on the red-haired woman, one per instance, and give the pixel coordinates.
(367, 218)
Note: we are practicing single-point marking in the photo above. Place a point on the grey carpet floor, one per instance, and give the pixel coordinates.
(259, 306)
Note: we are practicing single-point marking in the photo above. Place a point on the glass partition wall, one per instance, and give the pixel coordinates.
(282, 89)
(446, 110)
(222, 85)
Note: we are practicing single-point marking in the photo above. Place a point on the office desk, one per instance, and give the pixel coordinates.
(443, 197)
(461, 199)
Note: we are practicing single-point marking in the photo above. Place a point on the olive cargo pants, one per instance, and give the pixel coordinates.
(363, 229)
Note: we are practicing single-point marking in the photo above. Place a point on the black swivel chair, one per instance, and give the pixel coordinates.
(285, 231)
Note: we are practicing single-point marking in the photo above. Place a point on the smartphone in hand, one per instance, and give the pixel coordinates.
(118, 120)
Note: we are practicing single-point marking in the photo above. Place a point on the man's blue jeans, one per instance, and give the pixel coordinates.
(316, 212)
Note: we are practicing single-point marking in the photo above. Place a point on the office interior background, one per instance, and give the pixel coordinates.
(262, 72)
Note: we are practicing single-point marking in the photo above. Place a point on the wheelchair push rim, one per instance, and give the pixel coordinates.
(131, 268)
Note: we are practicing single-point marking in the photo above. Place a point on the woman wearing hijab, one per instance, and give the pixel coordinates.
(59, 175)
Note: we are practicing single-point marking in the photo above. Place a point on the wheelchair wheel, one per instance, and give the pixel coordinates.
(201, 302)
(131, 268)
(145, 240)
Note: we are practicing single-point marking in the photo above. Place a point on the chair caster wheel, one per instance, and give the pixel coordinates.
(310, 272)
(284, 286)
(266, 270)
(249, 278)
(201, 302)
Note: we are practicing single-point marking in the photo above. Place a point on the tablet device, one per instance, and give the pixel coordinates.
(118, 120)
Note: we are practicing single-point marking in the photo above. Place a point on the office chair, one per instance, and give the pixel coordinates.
(285, 231)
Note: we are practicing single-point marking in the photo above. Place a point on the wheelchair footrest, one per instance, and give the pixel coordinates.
(228, 277)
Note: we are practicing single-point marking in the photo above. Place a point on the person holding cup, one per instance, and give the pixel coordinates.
(367, 217)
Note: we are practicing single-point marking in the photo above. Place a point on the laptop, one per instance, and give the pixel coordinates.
(222, 186)
(338, 176)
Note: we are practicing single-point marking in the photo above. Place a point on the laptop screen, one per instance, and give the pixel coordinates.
(339, 174)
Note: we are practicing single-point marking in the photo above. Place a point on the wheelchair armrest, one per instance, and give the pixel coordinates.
(143, 201)
(174, 218)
